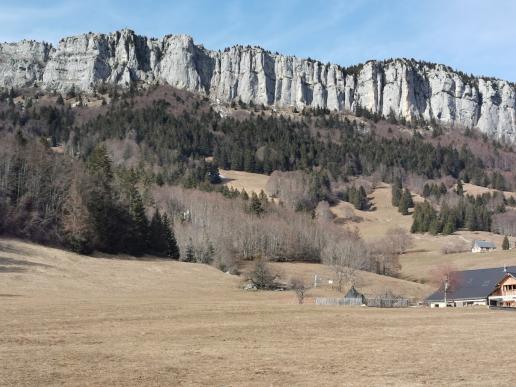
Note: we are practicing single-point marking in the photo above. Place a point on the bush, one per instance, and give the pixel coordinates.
(454, 247)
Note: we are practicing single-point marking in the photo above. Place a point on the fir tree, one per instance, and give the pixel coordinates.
(505, 243)
(362, 200)
(449, 228)
(244, 195)
(190, 253)
(140, 231)
(256, 205)
(460, 188)
(405, 202)
(396, 192)
(157, 236)
(171, 243)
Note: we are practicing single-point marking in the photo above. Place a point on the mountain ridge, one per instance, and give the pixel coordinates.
(406, 88)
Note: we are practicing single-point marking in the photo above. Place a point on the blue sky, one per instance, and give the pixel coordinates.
(475, 36)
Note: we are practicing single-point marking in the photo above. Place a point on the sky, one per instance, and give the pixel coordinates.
(474, 36)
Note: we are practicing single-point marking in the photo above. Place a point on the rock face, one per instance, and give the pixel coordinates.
(406, 88)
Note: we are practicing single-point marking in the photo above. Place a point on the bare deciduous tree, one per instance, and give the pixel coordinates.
(298, 285)
(345, 257)
(399, 239)
(323, 213)
(446, 272)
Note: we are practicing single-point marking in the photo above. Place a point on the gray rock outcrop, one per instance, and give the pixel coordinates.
(406, 88)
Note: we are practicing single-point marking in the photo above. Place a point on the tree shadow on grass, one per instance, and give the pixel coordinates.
(11, 265)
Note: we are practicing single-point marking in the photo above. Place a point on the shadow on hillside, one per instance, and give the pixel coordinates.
(125, 257)
(225, 180)
(11, 265)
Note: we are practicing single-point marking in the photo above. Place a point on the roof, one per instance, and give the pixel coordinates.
(353, 293)
(474, 284)
(484, 244)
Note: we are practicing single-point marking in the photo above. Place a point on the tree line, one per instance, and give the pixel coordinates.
(51, 198)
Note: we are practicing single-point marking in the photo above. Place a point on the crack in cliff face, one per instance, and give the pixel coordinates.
(252, 74)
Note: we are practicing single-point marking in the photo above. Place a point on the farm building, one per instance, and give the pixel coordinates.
(355, 296)
(482, 246)
(494, 287)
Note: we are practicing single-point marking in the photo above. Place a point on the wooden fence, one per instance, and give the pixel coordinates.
(338, 301)
(377, 302)
(380, 302)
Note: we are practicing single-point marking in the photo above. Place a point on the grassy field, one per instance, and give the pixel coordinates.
(68, 319)
(251, 182)
(103, 320)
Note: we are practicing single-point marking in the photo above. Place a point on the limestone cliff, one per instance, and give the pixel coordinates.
(408, 88)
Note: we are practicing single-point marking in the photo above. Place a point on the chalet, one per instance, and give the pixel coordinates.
(504, 294)
(482, 246)
(495, 287)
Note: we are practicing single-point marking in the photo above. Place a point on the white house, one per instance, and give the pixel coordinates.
(480, 246)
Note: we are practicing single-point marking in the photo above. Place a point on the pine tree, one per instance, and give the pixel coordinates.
(140, 230)
(362, 200)
(426, 191)
(256, 205)
(460, 188)
(405, 202)
(244, 195)
(470, 221)
(101, 203)
(449, 228)
(435, 226)
(171, 243)
(505, 243)
(396, 192)
(190, 253)
(157, 235)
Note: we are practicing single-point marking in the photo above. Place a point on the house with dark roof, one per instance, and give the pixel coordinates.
(480, 246)
(493, 287)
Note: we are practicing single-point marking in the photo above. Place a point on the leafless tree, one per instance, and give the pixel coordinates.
(446, 273)
(453, 247)
(505, 223)
(323, 213)
(399, 240)
(298, 285)
(345, 257)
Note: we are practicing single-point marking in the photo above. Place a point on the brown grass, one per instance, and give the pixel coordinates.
(472, 189)
(68, 319)
(251, 182)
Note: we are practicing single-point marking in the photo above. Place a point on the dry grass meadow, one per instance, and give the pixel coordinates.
(73, 320)
(67, 319)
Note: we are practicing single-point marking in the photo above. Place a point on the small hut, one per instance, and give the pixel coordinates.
(354, 297)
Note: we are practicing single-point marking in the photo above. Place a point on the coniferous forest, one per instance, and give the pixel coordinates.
(82, 177)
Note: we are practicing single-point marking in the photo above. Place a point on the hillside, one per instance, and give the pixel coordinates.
(67, 318)
(419, 262)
